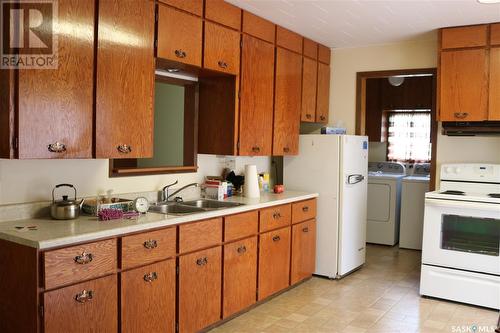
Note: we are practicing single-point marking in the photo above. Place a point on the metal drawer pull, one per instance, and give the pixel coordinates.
(461, 115)
(84, 296)
(84, 258)
(202, 261)
(322, 118)
(57, 147)
(306, 229)
(150, 244)
(276, 238)
(286, 149)
(305, 209)
(124, 149)
(308, 116)
(276, 215)
(222, 64)
(180, 54)
(150, 277)
(256, 149)
(242, 249)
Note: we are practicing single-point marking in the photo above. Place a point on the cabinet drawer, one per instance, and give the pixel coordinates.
(241, 225)
(464, 36)
(79, 262)
(200, 235)
(222, 49)
(148, 247)
(304, 210)
(275, 217)
(86, 307)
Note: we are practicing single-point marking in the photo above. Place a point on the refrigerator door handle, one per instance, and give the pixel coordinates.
(354, 179)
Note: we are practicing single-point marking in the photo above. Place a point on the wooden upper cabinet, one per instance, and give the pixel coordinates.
(224, 13)
(324, 54)
(459, 37)
(258, 27)
(323, 98)
(309, 89)
(222, 49)
(125, 79)
(494, 91)
(55, 105)
(200, 280)
(495, 34)
(256, 97)
(310, 49)
(463, 85)
(90, 306)
(179, 36)
(303, 260)
(148, 298)
(193, 6)
(289, 39)
(287, 102)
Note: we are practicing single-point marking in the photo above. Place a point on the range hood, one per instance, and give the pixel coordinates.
(471, 128)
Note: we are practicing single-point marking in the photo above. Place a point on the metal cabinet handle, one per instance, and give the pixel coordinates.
(305, 209)
(151, 277)
(202, 261)
(84, 296)
(222, 64)
(180, 53)
(84, 258)
(256, 149)
(461, 115)
(308, 116)
(242, 249)
(322, 118)
(305, 229)
(276, 215)
(286, 149)
(276, 238)
(150, 244)
(57, 147)
(124, 149)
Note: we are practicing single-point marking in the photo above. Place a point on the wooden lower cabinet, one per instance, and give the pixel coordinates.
(200, 289)
(85, 307)
(274, 262)
(148, 298)
(240, 275)
(303, 250)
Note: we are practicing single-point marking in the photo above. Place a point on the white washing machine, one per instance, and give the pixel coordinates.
(413, 191)
(384, 198)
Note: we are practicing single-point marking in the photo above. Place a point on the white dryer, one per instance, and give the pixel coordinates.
(384, 202)
(413, 191)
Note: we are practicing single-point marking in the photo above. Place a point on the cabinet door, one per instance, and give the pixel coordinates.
(148, 298)
(125, 79)
(257, 90)
(224, 13)
(463, 85)
(192, 6)
(55, 105)
(199, 289)
(179, 36)
(303, 250)
(274, 262)
(309, 89)
(323, 99)
(85, 307)
(494, 106)
(240, 275)
(287, 103)
(222, 49)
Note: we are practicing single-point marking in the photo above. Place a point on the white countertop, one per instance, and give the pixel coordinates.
(55, 233)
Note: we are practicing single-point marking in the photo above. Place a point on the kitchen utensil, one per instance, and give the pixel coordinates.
(65, 209)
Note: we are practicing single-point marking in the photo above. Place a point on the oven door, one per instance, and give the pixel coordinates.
(463, 235)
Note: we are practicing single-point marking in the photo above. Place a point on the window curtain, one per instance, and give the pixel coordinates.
(409, 137)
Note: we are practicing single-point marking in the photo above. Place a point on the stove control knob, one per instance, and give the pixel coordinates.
(457, 170)
(449, 170)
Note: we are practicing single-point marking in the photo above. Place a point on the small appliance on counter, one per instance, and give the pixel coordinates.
(65, 209)
(461, 241)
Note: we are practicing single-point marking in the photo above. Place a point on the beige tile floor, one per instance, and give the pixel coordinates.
(380, 297)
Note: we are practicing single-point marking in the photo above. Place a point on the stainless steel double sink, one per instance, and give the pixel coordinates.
(191, 207)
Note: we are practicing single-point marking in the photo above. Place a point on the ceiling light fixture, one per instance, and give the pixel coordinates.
(488, 1)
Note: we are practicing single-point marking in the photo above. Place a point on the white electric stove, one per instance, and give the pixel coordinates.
(461, 241)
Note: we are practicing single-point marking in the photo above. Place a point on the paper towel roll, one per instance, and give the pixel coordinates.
(251, 189)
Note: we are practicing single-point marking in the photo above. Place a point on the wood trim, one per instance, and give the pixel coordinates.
(8, 84)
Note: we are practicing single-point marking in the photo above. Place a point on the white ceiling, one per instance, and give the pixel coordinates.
(353, 23)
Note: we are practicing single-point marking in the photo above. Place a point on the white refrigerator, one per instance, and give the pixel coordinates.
(336, 167)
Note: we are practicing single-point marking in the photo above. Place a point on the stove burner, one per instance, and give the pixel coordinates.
(494, 195)
(452, 192)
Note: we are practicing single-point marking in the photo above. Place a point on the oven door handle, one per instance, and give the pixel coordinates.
(484, 206)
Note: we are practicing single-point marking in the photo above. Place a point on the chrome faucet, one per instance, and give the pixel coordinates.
(167, 196)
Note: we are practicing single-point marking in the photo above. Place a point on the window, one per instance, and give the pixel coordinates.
(409, 136)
